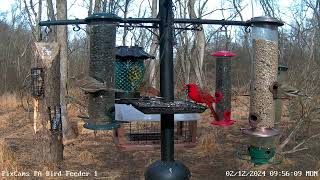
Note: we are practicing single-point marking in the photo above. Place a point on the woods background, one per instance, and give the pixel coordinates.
(299, 43)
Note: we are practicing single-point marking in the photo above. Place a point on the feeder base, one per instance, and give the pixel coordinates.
(223, 123)
(260, 156)
(108, 126)
(167, 170)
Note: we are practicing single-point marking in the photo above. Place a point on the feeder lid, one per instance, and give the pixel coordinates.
(282, 68)
(265, 20)
(132, 53)
(103, 17)
(261, 132)
(223, 54)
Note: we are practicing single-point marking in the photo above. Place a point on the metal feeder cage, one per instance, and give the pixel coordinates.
(145, 135)
(129, 70)
(55, 119)
(37, 82)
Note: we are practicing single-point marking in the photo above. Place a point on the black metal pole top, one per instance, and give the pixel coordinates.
(109, 17)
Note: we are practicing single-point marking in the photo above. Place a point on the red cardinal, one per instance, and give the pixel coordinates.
(200, 96)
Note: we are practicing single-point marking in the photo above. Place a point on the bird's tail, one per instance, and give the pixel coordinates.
(213, 112)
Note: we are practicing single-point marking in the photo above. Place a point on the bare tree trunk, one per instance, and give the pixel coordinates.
(198, 46)
(97, 6)
(153, 48)
(62, 38)
(125, 29)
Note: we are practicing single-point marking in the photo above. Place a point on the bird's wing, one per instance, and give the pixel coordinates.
(290, 90)
(206, 96)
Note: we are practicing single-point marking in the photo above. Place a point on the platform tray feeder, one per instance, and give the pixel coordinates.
(158, 106)
(145, 134)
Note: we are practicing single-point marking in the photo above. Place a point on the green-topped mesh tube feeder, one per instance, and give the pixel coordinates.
(263, 90)
(101, 69)
(129, 70)
(282, 77)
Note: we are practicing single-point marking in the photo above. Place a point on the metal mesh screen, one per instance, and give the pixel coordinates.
(129, 75)
(148, 133)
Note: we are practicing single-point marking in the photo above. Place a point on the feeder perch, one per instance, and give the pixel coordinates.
(37, 80)
(262, 144)
(129, 70)
(227, 121)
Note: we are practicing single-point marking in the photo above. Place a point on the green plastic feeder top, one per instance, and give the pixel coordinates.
(103, 17)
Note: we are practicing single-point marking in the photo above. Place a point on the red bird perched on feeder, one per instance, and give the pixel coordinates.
(200, 96)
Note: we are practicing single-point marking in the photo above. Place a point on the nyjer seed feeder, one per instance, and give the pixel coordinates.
(223, 85)
(101, 68)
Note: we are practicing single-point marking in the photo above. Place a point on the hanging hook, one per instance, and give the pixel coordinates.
(223, 28)
(198, 27)
(174, 8)
(247, 29)
(131, 27)
(76, 28)
(47, 30)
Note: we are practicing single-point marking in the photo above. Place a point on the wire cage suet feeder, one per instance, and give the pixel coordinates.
(37, 82)
(223, 85)
(129, 70)
(55, 118)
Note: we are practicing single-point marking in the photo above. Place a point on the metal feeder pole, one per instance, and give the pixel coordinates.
(167, 168)
(101, 68)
